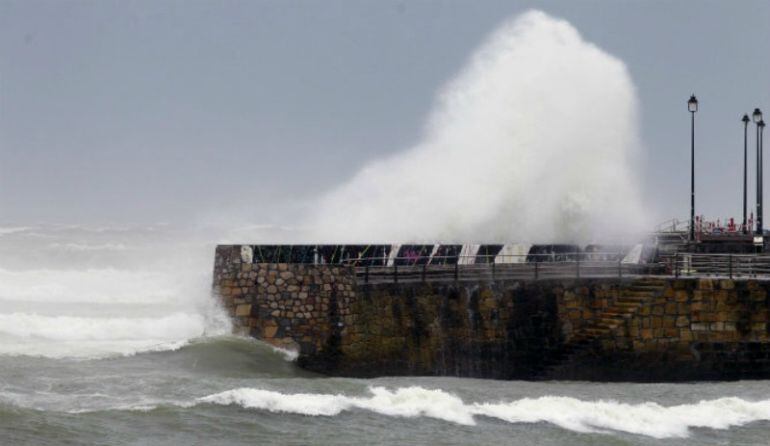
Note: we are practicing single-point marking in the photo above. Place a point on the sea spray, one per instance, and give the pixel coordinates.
(536, 140)
(143, 289)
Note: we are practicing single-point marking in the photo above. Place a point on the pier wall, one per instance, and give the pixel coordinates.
(636, 329)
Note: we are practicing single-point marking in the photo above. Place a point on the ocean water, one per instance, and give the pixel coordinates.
(109, 336)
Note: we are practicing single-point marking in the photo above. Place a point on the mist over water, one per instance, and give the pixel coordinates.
(535, 140)
(87, 291)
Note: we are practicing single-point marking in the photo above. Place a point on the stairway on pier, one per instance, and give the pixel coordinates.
(606, 325)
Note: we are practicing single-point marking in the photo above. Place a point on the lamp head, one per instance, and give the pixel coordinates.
(692, 104)
(745, 119)
(757, 115)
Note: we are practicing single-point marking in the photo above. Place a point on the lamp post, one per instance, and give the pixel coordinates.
(745, 120)
(757, 117)
(761, 127)
(692, 107)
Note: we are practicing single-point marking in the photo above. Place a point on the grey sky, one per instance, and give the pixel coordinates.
(152, 111)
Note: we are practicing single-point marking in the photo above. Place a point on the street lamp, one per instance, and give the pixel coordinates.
(692, 107)
(761, 128)
(757, 118)
(745, 120)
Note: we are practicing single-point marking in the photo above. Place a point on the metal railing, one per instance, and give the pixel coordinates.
(506, 267)
(717, 265)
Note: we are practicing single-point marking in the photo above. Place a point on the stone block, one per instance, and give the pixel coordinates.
(727, 284)
(681, 296)
(685, 334)
(243, 310)
(671, 332)
(646, 333)
(699, 326)
(682, 321)
(705, 284)
(697, 295)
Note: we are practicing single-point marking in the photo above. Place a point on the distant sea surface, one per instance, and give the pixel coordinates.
(108, 336)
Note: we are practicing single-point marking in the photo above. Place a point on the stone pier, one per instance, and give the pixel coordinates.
(632, 329)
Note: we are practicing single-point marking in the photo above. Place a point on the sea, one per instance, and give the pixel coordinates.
(110, 336)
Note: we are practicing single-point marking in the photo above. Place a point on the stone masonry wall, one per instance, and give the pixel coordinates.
(695, 329)
(684, 329)
(288, 305)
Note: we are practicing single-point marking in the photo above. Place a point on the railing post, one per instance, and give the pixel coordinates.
(424, 270)
(620, 268)
(676, 265)
(730, 264)
(577, 272)
(536, 268)
(366, 274)
(457, 272)
(493, 270)
(395, 273)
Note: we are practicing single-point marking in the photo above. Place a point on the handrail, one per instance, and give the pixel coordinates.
(454, 272)
(717, 265)
(695, 265)
(555, 257)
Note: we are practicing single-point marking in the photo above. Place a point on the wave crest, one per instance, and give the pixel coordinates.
(649, 418)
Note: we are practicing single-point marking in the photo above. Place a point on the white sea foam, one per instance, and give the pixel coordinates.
(88, 286)
(288, 354)
(12, 230)
(403, 402)
(79, 247)
(68, 328)
(535, 140)
(153, 298)
(650, 419)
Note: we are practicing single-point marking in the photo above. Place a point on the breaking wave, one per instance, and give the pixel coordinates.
(650, 419)
(153, 296)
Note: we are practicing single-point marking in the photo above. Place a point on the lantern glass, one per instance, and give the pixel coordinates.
(692, 104)
(757, 115)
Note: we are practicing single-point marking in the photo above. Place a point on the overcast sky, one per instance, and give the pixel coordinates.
(149, 111)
